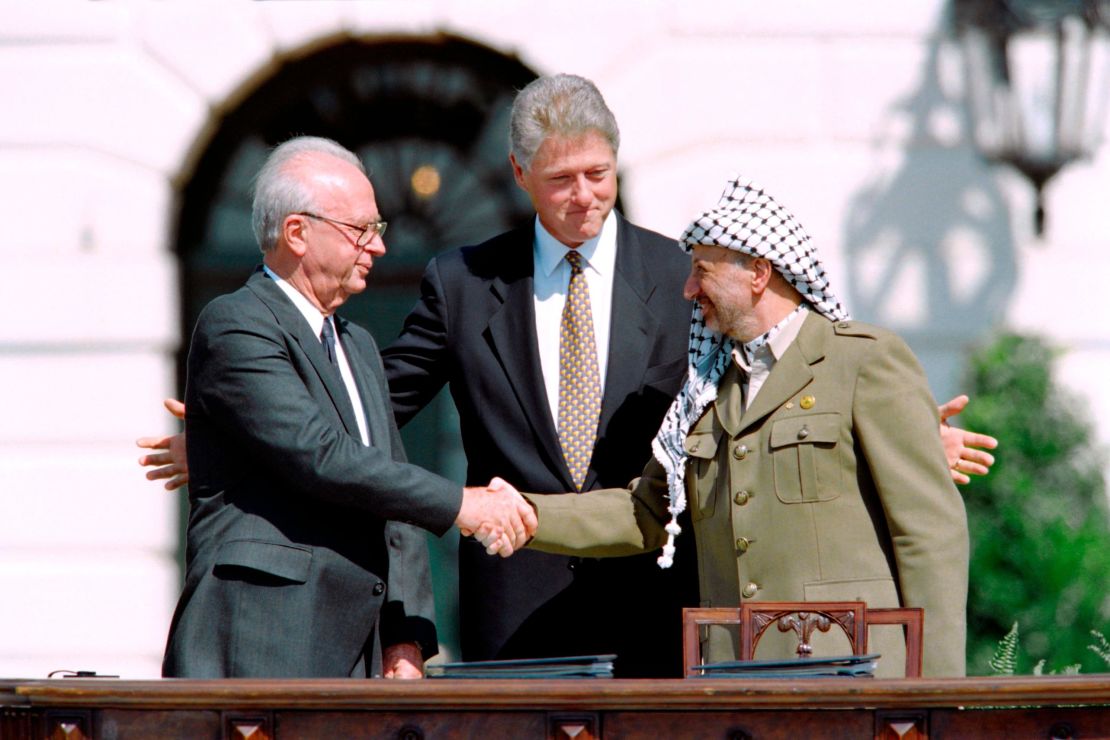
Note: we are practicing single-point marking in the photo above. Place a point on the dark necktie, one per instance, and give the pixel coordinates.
(327, 338)
(579, 379)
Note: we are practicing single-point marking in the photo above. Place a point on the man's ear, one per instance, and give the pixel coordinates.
(518, 172)
(763, 270)
(293, 232)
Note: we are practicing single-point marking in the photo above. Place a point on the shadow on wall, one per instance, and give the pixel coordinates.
(928, 243)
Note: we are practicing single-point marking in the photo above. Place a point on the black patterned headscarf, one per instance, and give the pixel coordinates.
(747, 220)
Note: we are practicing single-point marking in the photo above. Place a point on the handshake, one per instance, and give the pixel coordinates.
(498, 516)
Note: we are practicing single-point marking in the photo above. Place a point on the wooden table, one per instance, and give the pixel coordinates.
(1017, 707)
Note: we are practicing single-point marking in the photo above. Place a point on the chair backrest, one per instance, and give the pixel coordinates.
(802, 617)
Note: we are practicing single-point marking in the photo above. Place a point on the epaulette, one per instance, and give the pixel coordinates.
(855, 329)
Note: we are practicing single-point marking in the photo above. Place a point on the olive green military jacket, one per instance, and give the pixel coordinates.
(832, 486)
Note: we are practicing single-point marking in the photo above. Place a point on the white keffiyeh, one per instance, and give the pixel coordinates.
(750, 221)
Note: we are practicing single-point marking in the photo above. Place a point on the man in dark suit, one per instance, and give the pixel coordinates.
(488, 324)
(301, 558)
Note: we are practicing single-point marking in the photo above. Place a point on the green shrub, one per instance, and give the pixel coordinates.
(1040, 535)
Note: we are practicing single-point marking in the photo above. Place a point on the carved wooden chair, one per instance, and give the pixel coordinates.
(801, 617)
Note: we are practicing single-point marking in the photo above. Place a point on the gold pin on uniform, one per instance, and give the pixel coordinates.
(807, 402)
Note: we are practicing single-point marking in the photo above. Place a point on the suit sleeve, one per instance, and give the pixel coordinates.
(247, 386)
(897, 429)
(409, 611)
(416, 363)
(608, 522)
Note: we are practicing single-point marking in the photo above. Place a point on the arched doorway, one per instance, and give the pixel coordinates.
(429, 118)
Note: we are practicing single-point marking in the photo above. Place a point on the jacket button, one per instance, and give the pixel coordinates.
(749, 590)
(803, 432)
(740, 452)
(743, 544)
(741, 497)
(379, 588)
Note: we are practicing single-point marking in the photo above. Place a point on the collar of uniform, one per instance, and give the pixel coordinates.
(599, 253)
(311, 314)
(782, 335)
(729, 406)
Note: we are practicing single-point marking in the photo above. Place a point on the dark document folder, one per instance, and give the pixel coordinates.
(580, 666)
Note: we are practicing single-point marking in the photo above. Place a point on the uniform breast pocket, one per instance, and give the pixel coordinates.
(804, 450)
(701, 475)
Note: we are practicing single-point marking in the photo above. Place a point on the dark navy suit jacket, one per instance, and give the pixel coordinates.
(474, 329)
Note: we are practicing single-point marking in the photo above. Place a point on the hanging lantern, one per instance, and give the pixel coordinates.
(1038, 82)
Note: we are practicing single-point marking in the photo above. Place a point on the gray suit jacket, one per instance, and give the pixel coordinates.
(299, 550)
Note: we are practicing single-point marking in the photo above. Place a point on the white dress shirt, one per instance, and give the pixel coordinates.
(316, 320)
(551, 275)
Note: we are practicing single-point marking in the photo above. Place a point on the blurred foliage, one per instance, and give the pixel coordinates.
(1040, 533)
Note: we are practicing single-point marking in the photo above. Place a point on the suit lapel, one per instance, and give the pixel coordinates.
(632, 333)
(367, 381)
(791, 373)
(291, 320)
(632, 330)
(512, 337)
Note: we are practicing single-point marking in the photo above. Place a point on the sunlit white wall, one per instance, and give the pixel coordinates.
(851, 114)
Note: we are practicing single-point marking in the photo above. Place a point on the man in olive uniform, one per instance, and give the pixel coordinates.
(804, 444)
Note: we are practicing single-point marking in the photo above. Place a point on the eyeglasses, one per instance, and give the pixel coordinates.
(365, 233)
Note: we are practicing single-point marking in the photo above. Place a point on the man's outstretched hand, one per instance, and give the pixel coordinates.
(169, 462)
(499, 515)
(964, 459)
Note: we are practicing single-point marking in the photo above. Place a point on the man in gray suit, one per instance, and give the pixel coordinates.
(301, 558)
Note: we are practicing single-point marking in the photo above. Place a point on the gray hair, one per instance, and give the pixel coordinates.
(561, 105)
(279, 189)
